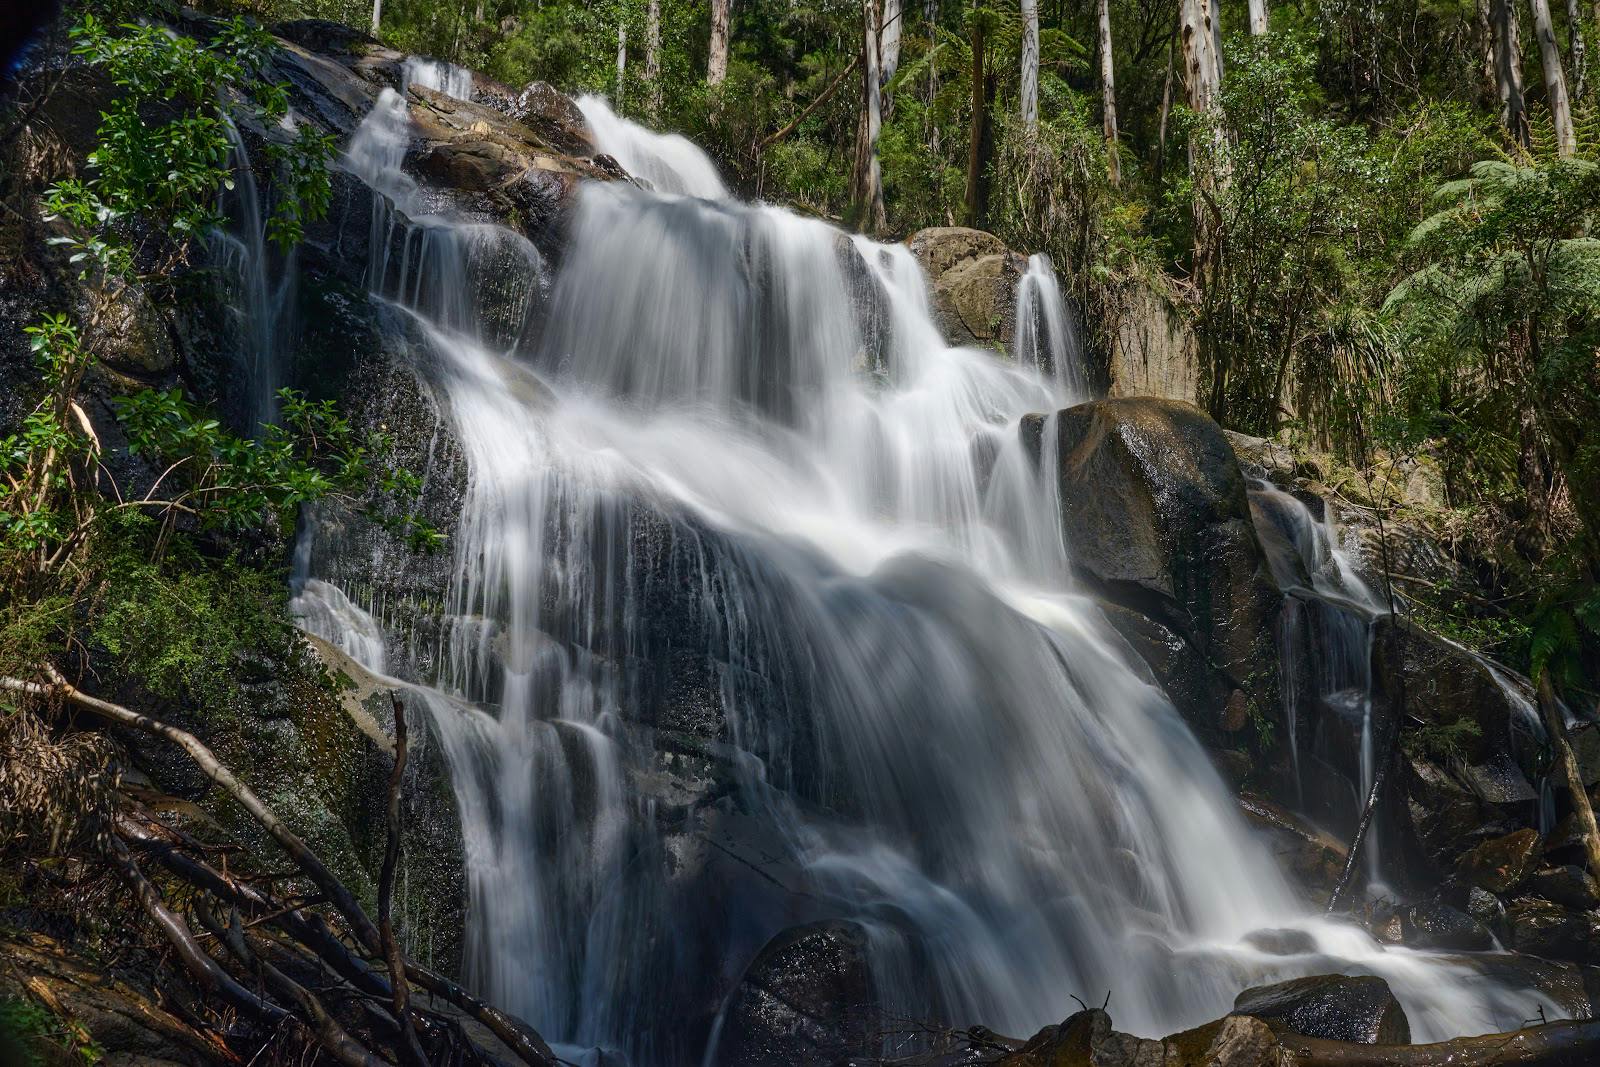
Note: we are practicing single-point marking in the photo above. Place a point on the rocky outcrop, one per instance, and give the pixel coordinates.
(1153, 348)
(973, 277)
(806, 999)
(1155, 515)
(1335, 1007)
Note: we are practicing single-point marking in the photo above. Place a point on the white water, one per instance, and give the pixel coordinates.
(441, 77)
(1047, 330)
(705, 474)
(669, 162)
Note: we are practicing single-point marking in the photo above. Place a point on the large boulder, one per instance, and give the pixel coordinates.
(807, 998)
(1503, 863)
(1333, 1006)
(1545, 928)
(974, 281)
(1155, 514)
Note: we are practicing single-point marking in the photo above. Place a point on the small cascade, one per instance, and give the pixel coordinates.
(759, 614)
(447, 78)
(1047, 335)
(1325, 631)
(669, 163)
(260, 307)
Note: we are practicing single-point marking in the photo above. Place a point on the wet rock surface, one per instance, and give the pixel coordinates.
(1154, 503)
(807, 998)
(1358, 1009)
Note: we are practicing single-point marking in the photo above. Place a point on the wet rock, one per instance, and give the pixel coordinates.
(1570, 886)
(974, 278)
(1485, 907)
(1336, 1007)
(1439, 926)
(1155, 511)
(552, 115)
(1502, 864)
(1282, 942)
(806, 999)
(133, 337)
(1312, 857)
(1175, 665)
(1544, 928)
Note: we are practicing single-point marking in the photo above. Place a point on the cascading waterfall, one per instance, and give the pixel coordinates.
(761, 615)
(1047, 330)
(1327, 623)
(447, 78)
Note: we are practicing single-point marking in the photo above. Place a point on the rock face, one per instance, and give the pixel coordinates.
(1502, 864)
(1155, 515)
(1153, 349)
(974, 281)
(807, 998)
(1330, 1006)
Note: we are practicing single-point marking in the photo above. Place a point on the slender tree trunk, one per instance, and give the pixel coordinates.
(1488, 74)
(1258, 17)
(889, 40)
(717, 61)
(980, 119)
(652, 55)
(377, 15)
(869, 177)
(622, 60)
(1508, 69)
(1202, 62)
(1555, 79)
(1030, 65)
(1577, 50)
(1166, 109)
(930, 15)
(1108, 92)
(1555, 723)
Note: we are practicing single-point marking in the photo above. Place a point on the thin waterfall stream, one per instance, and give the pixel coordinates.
(760, 614)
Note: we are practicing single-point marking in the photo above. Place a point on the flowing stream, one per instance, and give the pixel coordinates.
(760, 615)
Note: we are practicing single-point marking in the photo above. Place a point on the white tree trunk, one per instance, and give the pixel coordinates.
(1108, 95)
(717, 62)
(377, 15)
(1508, 69)
(889, 40)
(1258, 17)
(1030, 64)
(1555, 79)
(869, 187)
(622, 60)
(1202, 63)
(652, 55)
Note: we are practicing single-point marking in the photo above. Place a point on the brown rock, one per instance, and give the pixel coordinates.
(1502, 864)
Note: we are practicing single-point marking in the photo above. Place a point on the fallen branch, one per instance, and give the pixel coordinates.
(811, 108)
(401, 996)
(1574, 1043)
(360, 924)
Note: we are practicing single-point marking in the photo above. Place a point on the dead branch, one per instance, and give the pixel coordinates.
(391, 859)
(822, 98)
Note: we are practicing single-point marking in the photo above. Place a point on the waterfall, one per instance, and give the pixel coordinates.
(668, 162)
(447, 78)
(1047, 329)
(760, 614)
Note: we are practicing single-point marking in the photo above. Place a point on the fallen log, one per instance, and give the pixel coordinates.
(1572, 1043)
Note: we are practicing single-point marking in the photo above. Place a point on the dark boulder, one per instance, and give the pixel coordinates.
(1331, 1006)
(1282, 942)
(552, 115)
(1570, 886)
(1437, 925)
(1544, 928)
(807, 998)
(1155, 514)
(1314, 858)
(1502, 864)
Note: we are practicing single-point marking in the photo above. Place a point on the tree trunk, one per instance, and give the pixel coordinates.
(1577, 51)
(622, 60)
(979, 132)
(1030, 64)
(889, 40)
(930, 15)
(377, 15)
(1555, 79)
(1258, 17)
(717, 61)
(868, 175)
(1508, 69)
(1202, 63)
(652, 56)
(1488, 74)
(1555, 724)
(1108, 90)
